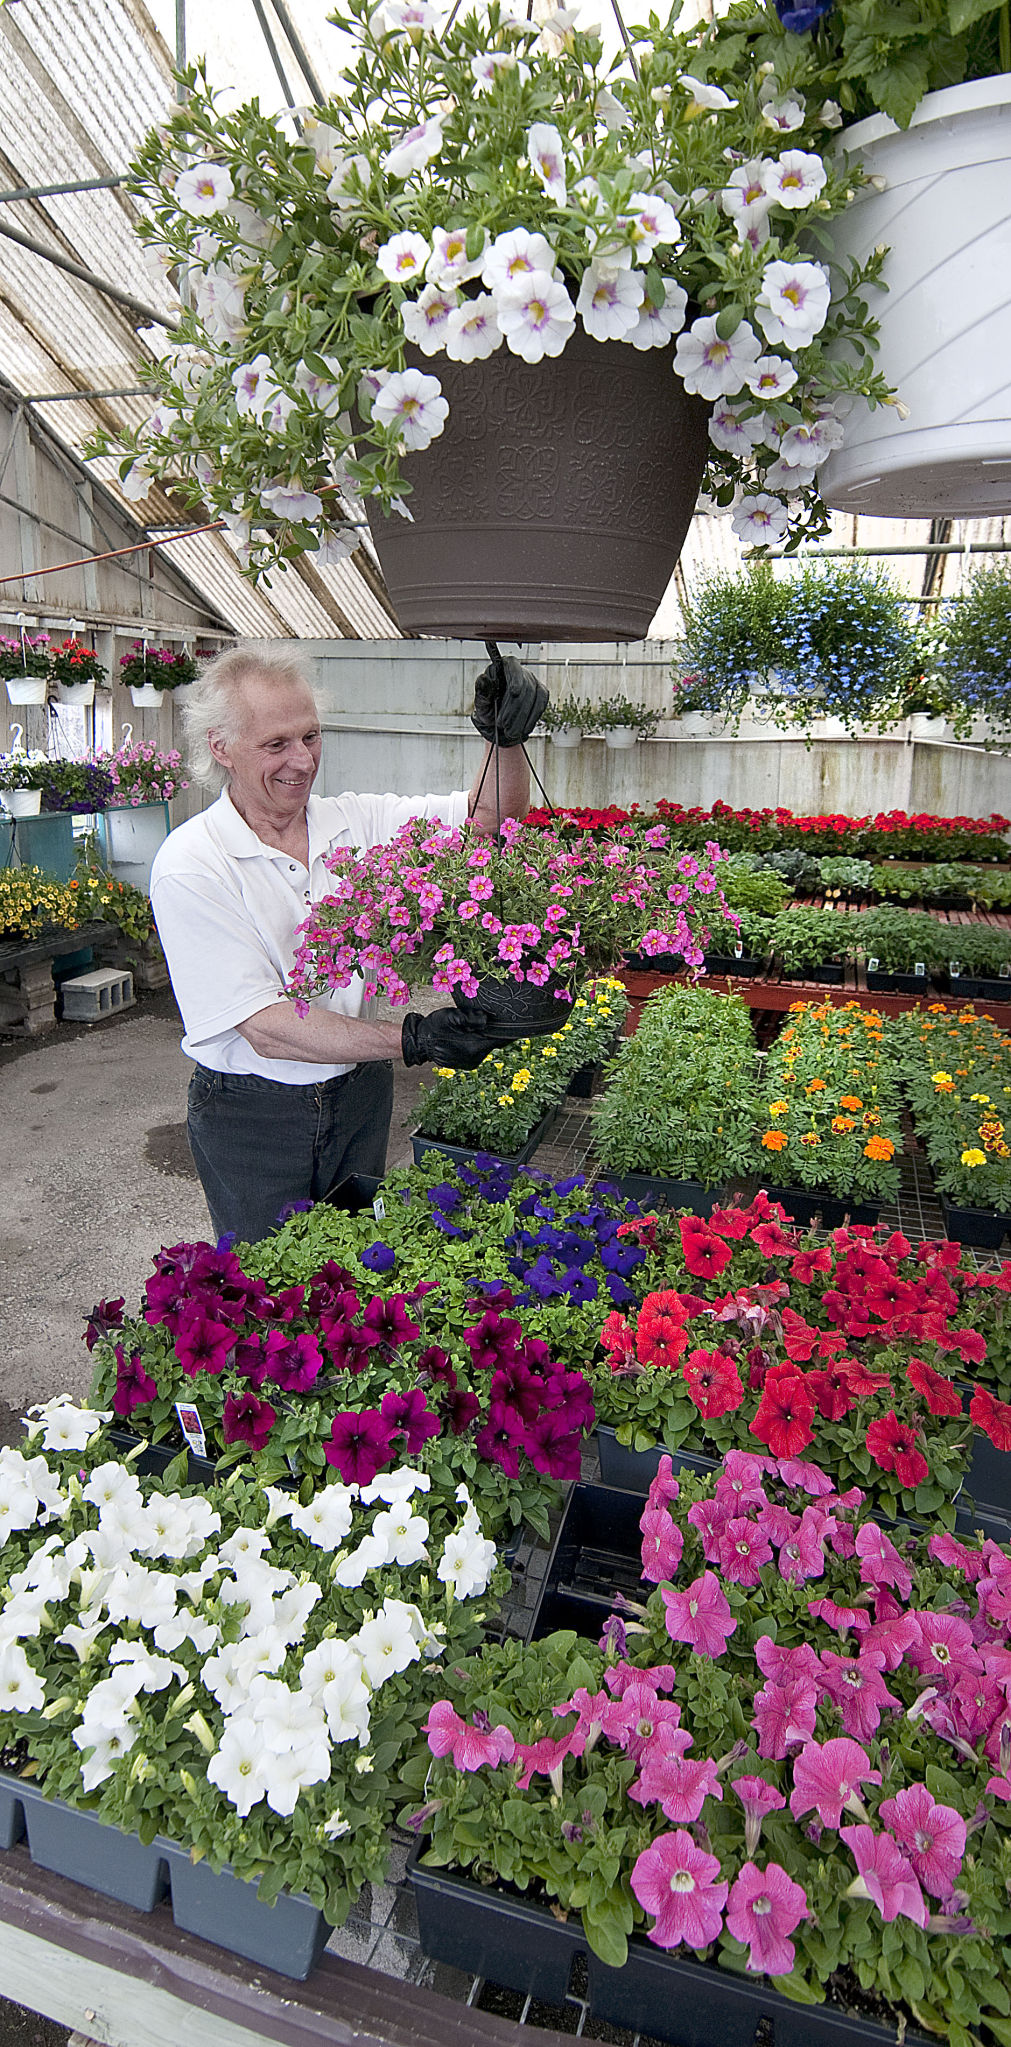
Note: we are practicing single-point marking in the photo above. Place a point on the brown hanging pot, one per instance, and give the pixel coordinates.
(555, 503)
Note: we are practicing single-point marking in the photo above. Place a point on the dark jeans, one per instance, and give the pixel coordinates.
(258, 1144)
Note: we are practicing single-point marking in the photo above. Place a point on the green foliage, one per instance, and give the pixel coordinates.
(901, 940)
(496, 1106)
(973, 654)
(839, 876)
(878, 55)
(957, 1071)
(100, 894)
(988, 887)
(812, 938)
(680, 1098)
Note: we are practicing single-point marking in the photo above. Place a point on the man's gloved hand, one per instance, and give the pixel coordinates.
(515, 694)
(447, 1037)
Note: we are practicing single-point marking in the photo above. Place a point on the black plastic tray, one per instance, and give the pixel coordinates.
(803, 1204)
(978, 1226)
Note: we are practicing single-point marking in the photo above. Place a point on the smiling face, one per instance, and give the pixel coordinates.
(273, 761)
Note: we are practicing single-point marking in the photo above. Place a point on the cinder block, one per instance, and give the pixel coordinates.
(89, 997)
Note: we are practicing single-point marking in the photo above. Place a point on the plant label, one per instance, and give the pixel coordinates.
(738, 951)
(954, 969)
(1005, 972)
(192, 1427)
(379, 1208)
(872, 966)
(920, 969)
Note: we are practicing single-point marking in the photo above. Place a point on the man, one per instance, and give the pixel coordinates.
(282, 1106)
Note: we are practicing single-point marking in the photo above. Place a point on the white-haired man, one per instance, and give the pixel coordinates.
(281, 1106)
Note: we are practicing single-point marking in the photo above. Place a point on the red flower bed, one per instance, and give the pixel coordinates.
(890, 834)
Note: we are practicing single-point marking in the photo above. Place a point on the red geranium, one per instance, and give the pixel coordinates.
(895, 1447)
(713, 1383)
(941, 1396)
(785, 1412)
(992, 1416)
(705, 1254)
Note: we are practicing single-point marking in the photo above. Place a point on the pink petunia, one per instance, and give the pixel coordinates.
(665, 1487)
(880, 1562)
(855, 1685)
(676, 1882)
(844, 1618)
(884, 1875)
(701, 1616)
(662, 1545)
(678, 1784)
(943, 1646)
(546, 1757)
(933, 1836)
(643, 1724)
(743, 1549)
(802, 1556)
(764, 1908)
(784, 1715)
(470, 1749)
(757, 1798)
(827, 1776)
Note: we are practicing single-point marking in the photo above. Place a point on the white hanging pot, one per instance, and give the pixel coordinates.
(945, 340)
(130, 837)
(22, 802)
(692, 725)
(567, 735)
(620, 737)
(27, 689)
(923, 725)
(144, 696)
(76, 693)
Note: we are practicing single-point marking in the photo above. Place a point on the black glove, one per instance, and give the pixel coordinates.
(447, 1037)
(517, 696)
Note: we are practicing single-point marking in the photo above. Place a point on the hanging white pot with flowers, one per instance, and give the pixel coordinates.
(510, 299)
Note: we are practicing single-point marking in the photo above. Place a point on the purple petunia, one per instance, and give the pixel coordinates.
(359, 1445)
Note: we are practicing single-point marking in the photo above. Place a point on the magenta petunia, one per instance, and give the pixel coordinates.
(880, 1562)
(470, 1749)
(203, 1344)
(827, 1776)
(662, 1545)
(700, 1616)
(134, 1386)
(784, 1716)
(757, 1798)
(676, 1882)
(409, 1415)
(680, 1785)
(764, 1908)
(884, 1875)
(932, 1836)
(247, 1419)
(743, 1549)
(855, 1685)
(359, 1445)
(388, 1321)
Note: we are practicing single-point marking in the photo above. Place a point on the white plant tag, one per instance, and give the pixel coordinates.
(192, 1427)
(379, 1208)
(1005, 972)
(872, 966)
(954, 969)
(920, 969)
(738, 951)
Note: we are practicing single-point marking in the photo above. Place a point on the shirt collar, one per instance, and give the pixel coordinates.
(241, 842)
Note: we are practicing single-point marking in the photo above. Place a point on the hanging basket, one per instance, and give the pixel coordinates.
(144, 696)
(79, 694)
(555, 503)
(27, 689)
(519, 1008)
(945, 340)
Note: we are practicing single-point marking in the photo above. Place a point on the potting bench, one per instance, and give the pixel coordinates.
(27, 989)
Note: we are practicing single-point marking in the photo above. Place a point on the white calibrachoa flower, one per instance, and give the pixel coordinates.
(732, 433)
(709, 98)
(255, 386)
(712, 367)
(536, 317)
(449, 264)
(515, 256)
(203, 189)
(746, 197)
(413, 403)
(288, 500)
(609, 301)
(796, 178)
(426, 318)
(783, 114)
(472, 330)
(403, 258)
(651, 222)
(657, 324)
(546, 157)
(771, 377)
(760, 519)
(793, 302)
(414, 150)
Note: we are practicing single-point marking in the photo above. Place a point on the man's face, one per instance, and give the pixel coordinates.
(274, 761)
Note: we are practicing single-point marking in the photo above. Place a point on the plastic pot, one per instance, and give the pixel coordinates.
(633, 1471)
(155, 1458)
(978, 1226)
(75, 693)
(144, 696)
(567, 736)
(831, 974)
(494, 1933)
(654, 1190)
(519, 1009)
(288, 1936)
(803, 1205)
(27, 689)
(880, 982)
(77, 1845)
(555, 503)
(945, 319)
(621, 737)
(728, 965)
(22, 802)
(12, 1810)
(463, 1154)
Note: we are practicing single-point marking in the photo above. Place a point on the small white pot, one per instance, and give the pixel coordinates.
(620, 737)
(567, 736)
(145, 697)
(692, 725)
(22, 802)
(27, 689)
(923, 725)
(130, 837)
(77, 693)
(944, 215)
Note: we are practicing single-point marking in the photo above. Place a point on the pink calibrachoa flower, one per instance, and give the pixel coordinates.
(700, 1616)
(933, 1836)
(884, 1875)
(448, 1734)
(764, 1908)
(676, 1882)
(827, 1776)
(680, 1785)
(758, 1798)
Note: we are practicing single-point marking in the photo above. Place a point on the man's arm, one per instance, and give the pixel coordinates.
(322, 1038)
(509, 798)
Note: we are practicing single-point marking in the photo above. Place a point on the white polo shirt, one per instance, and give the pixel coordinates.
(227, 908)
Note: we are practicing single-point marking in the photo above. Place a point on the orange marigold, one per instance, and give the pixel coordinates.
(850, 1102)
(879, 1148)
(814, 1085)
(844, 1123)
(774, 1140)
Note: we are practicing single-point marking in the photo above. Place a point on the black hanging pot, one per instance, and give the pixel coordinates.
(518, 1009)
(555, 503)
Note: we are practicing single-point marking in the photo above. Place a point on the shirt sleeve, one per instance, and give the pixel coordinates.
(220, 967)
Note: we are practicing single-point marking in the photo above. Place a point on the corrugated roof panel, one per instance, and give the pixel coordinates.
(104, 68)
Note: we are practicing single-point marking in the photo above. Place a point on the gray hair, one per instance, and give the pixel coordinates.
(213, 704)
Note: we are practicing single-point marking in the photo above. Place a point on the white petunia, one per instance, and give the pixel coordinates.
(292, 1610)
(330, 1661)
(203, 190)
(21, 1617)
(414, 149)
(169, 1635)
(516, 255)
(785, 114)
(536, 316)
(392, 1486)
(21, 1688)
(405, 1535)
(472, 330)
(466, 1563)
(294, 1771)
(449, 264)
(425, 320)
(229, 1675)
(771, 377)
(793, 302)
(658, 324)
(19, 1507)
(711, 367)
(288, 500)
(546, 157)
(327, 1518)
(609, 301)
(386, 1644)
(351, 1571)
(290, 1720)
(413, 403)
(246, 1542)
(710, 98)
(101, 1763)
(403, 257)
(112, 1483)
(155, 1672)
(336, 1826)
(796, 178)
(82, 1640)
(64, 1426)
(759, 519)
(281, 1504)
(236, 1766)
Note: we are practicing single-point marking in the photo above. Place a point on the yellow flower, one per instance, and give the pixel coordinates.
(444, 1072)
(941, 1079)
(980, 1098)
(548, 1052)
(778, 1108)
(973, 1158)
(505, 1101)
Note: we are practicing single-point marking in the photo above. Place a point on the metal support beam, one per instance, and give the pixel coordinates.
(110, 291)
(298, 50)
(75, 397)
(275, 56)
(57, 191)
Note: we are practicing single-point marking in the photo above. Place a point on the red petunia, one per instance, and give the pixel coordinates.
(832, 1391)
(894, 1446)
(730, 1222)
(660, 1335)
(940, 1394)
(785, 1412)
(713, 1383)
(799, 1338)
(861, 1381)
(705, 1254)
(773, 1241)
(992, 1416)
(808, 1263)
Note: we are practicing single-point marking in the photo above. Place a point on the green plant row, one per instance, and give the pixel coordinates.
(900, 941)
(609, 715)
(957, 1075)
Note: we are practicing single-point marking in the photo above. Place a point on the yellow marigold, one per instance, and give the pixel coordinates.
(810, 1137)
(447, 1072)
(850, 1102)
(505, 1101)
(774, 1140)
(943, 1082)
(879, 1148)
(844, 1123)
(981, 1098)
(548, 1052)
(973, 1157)
(778, 1108)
